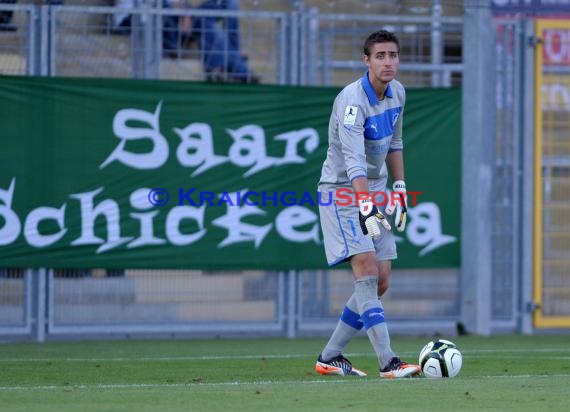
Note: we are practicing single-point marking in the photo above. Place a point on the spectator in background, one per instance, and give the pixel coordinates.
(6, 17)
(219, 39)
(170, 32)
(122, 21)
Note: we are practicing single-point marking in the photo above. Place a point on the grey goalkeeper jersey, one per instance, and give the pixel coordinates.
(362, 131)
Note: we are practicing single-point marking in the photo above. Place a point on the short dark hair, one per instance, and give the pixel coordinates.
(380, 36)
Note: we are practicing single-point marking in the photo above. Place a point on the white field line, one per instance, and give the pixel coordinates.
(253, 383)
(502, 353)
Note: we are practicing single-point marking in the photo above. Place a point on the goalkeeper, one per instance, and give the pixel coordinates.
(365, 144)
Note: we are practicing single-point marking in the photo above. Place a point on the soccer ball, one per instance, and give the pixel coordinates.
(440, 359)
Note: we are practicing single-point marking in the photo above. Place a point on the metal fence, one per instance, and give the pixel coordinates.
(308, 48)
(52, 303)
(331, 47)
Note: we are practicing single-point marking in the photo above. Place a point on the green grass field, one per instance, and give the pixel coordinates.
(514, 373)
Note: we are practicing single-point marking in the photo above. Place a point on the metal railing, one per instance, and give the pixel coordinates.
(296, 47)
(44, 303)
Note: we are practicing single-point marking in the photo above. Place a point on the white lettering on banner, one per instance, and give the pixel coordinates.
(196, 147)
(293, 139)
(139, 200)
(425, 228)
(291, 219)
(31, 231)
(555, 97)
(159, 153)
(179, 213)
(249, 149)
(12, 226)
(295, 223)
(239, 231)
(89, 213)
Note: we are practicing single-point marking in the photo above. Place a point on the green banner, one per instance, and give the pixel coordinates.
(155, 174)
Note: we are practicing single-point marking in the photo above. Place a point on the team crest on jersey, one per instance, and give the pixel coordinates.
(350, 115)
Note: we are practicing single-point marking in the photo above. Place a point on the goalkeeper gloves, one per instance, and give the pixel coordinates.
(398, 203)
(369, 217)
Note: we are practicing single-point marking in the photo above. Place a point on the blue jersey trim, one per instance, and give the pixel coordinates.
(380, 126)
(369, 90)
(394, 150)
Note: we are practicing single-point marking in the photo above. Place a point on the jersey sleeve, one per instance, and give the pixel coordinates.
(397, 143)
(350, 117)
